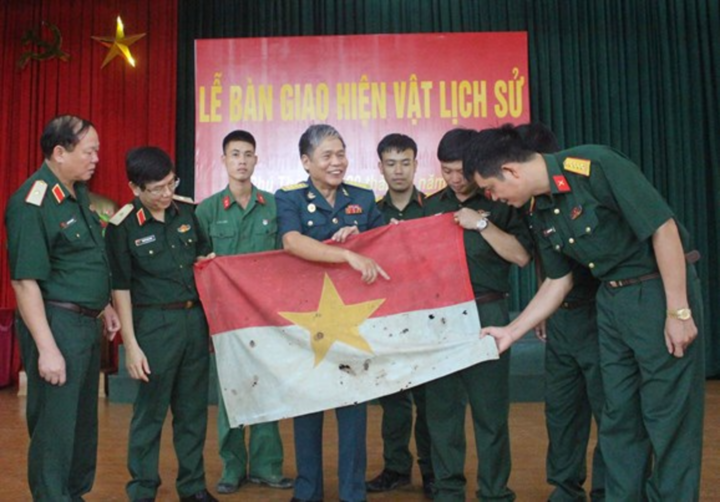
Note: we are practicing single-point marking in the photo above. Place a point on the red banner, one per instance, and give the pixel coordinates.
(366, 86)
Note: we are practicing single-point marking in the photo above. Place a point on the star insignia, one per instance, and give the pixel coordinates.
(119, 44)
(334, 321)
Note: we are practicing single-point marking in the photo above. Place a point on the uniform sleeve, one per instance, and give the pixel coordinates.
(624, 185)
(203, 216)
(116, 247)
(288, 213)
(375, 217)
(28, 245)
(204, 246)
(515, 225)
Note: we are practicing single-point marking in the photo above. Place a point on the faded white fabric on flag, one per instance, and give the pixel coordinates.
(293, 337)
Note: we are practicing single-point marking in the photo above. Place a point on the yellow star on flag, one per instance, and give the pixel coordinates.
(119, 45)
(334, 321)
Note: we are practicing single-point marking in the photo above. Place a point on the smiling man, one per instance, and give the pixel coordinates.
(593, 206)
(243, 219)
(153, 243)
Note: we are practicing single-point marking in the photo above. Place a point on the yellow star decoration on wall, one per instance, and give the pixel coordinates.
(334, 321)
(119, 45)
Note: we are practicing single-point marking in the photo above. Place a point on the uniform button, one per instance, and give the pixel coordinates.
(150, 252)
(588, 230)
(310, 223)
(190, 241)
(591, 265)
(355, 222)
(181, 266)
(172, 246)
(571, 240)
(556, 211)
(557, 247)
(335, 221)
(77, 235)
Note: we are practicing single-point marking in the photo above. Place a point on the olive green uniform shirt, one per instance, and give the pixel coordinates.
(602, 213)
(230, 229)
(488, 270)
(414, 209)
(154, 259)
(58, 243)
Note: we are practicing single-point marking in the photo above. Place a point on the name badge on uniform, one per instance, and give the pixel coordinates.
(353, 209)
(144, 240)
(69, 222)
(183, 228)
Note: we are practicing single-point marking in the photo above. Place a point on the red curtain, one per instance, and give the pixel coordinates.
(129, 106)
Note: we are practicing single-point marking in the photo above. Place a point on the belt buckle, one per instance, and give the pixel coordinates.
(188, 304)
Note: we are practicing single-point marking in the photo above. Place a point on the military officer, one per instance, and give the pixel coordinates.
(495, 238)
(243, 219)
(573, 383)
(61, 280)
(153, 243)
(593, 206)
(403, 201)
(326, 207)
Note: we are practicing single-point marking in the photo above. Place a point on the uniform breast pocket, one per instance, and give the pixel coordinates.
(359, 220)
(549, 236)
(188, 237)
(265, 233)
(311, 222)
(77, 236)
(219, 232)
(147, 250)
(584, 229)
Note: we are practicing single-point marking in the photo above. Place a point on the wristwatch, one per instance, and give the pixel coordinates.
(682, 314)
(482, 224)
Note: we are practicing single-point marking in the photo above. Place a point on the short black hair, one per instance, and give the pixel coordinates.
(538, 137)
(453, 144)
(239, 135)
(396, 142)
(147, 164)
(491, 148)
(65, 131)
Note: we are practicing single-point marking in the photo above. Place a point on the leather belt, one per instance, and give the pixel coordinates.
(74, 307)
(187, 304)
(634, 280)
(576, 304)
(492, 296)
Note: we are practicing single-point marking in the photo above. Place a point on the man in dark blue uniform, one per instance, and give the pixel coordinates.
(326, 207)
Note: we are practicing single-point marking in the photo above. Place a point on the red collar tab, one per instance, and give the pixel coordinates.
(561, 183)
(226, 202)
(58, 193)
(141, 218)
(260, 198)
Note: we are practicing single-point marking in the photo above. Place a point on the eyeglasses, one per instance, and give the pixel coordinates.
(157, 191)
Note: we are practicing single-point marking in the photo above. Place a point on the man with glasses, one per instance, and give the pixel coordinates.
(153, 243)
(243, 219)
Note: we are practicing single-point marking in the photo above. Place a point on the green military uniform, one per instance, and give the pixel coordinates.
(486, 384)
(230, 229)
(397, 408)
(56, 240)
(154, 261)
(602, 213)
(574, 393)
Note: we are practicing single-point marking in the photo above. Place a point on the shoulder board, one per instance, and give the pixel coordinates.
(182, 198)
(121, 214)
(37, 193)
(358, 185)
(295, 186)
(380, 200)
(577, 166)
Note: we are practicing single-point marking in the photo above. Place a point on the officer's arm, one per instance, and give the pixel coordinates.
(544, 303)
(310, 249)
(671, 262)
(135, 360)
(504, 243)
(51, 363)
